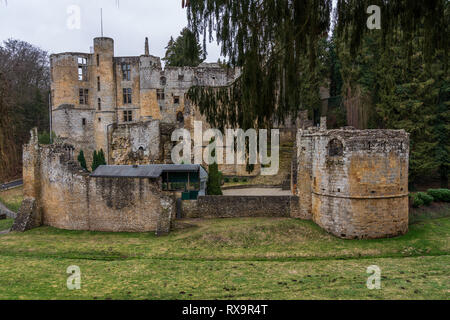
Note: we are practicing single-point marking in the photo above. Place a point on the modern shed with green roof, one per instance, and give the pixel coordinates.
(190, 179)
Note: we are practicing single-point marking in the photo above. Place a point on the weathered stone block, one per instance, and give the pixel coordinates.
(28, 217)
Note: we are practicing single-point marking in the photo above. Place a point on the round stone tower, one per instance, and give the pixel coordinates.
(358, 182)
(105, 90)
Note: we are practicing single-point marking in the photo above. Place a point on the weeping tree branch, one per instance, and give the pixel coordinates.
(275, 43)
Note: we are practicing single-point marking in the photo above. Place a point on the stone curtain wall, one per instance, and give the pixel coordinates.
(240, 206)
(68, 198)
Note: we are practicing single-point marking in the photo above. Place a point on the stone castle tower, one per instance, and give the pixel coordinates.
(354, 183)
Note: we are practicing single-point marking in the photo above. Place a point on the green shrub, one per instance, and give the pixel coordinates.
(235, 179)
(416, 201)
(44, 138)
(427, 199)
(442, 195)
(245, 180)
(226, 180)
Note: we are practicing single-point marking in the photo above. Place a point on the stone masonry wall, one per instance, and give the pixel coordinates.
(136, 143)
(69, 198)
(240, 206)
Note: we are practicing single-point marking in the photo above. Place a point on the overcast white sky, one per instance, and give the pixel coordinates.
(44, 23)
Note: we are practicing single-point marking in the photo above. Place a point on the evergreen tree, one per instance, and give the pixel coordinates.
(185, 51)
(214, 185)
(82, 160)
(95, 162)
(401, 91)
(101, 158)
(414, 96)
(214, 180)
(271, 39)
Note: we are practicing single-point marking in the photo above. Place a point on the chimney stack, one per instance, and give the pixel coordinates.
(147, 51)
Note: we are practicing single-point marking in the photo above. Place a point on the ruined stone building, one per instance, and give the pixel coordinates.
(127, 106)
(353, 183)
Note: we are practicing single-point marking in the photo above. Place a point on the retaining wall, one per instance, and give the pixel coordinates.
(241, 206)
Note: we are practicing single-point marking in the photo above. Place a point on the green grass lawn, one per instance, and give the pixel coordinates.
(254, 258)
(12, 199)
(6, 224)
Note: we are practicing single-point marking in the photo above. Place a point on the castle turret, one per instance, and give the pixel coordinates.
(354, 183)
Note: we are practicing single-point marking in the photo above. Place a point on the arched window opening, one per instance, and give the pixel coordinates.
(180, 117)
(335, 148)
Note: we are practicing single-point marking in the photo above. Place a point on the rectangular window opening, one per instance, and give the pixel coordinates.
(84, 96)
(128, 116)
(82, 69)
(126, 72)
(160, 94)
(127, 93)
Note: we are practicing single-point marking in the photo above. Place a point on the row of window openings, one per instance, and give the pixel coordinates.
(126, 71)
(84, 97)
(127, 96)
(83, 69)
(126, 75)
(127, 117)
(160, 95)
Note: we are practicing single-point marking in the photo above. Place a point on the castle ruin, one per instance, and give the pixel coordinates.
(127, 106)
(352, 183)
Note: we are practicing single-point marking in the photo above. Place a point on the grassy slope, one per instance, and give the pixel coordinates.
(12, 199)
(6, 224)
(231, 258)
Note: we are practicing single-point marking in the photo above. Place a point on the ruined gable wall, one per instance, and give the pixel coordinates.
(127, 139)
(65, 84)
(64, 191)
(68, 124)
